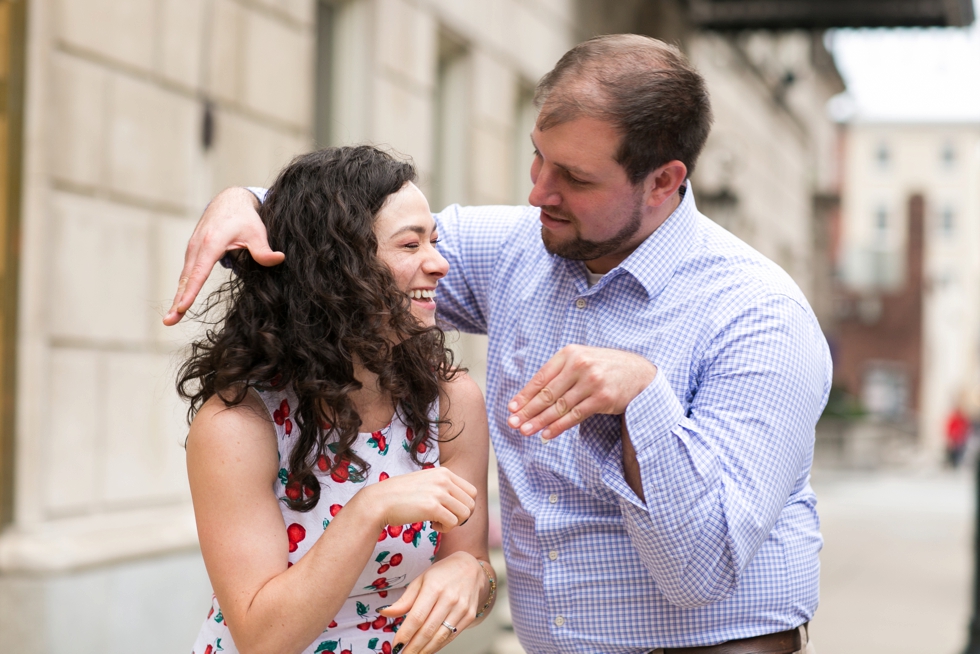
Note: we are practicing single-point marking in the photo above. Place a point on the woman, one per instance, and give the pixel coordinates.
(335, 453)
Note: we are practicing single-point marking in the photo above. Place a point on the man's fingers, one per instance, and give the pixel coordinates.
(266, 256)
(540, 379)
(553, 396)
(568, 406)
(579, 412)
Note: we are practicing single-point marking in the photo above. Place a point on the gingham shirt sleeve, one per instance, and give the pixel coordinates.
(470, 238)
(716, 478)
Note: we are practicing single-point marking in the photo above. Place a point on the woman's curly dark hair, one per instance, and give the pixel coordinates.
(302, 324)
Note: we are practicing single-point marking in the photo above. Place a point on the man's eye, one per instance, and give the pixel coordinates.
(435, 240)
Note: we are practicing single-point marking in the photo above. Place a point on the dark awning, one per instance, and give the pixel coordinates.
(823, 14)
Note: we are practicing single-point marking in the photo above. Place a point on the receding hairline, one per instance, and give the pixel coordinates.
(575, 86)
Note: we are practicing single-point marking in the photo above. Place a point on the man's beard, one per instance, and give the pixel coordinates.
(580, 249)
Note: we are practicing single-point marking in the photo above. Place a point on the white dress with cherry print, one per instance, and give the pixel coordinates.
(401, 554)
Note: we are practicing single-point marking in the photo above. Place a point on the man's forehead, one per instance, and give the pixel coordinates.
(581, 143)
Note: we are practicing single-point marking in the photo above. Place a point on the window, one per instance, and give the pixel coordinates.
(883, 156)
(881, 223)
(948, 155)
(525, 117)
(342, 72)
(947, 220)
(450, 179)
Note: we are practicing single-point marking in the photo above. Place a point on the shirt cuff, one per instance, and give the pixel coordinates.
(258, 192)
(649, 418)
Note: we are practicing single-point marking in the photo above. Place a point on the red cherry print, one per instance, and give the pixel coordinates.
(408, 535)
(383, 476)
(208, 650)
(289, 564)
(332, 625)
(396, 558)
(295, 532)
(341, 473)
(323, 463)
(293, 490)
(383, 568)
(384, 534)
(426, 466)
(309, 491)
(382, 593)
(394, 530)
(422, 448)
(409, 435)
(418, 526)
(346, 651)
(364, 626)
(289, 426)
(211, 612)
(284, 407)
(278, 417)
(379, 622)
(389, 629)
(386, 647)
(335, 509)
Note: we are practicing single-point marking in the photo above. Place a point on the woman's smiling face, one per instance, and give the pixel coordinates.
(406, 233)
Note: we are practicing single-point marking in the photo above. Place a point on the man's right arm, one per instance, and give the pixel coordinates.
(230, 222)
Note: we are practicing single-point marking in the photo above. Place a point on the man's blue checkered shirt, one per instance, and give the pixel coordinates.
(725, 545)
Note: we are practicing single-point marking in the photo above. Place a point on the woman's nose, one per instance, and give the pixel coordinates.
(436, 265)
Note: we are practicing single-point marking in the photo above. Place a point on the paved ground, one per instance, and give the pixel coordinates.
(896, 566)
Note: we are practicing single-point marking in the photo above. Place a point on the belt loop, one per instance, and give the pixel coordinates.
(804, 635)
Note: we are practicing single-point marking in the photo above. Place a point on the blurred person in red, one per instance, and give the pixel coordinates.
(957, 433)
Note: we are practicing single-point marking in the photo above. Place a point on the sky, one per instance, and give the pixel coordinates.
(916, 75)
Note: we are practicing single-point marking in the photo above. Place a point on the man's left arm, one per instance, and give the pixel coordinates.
(700, 490)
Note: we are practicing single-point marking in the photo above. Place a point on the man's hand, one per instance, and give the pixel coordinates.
(576, 383)
(230, 222)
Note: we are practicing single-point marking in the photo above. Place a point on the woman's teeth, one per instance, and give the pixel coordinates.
(422, 295)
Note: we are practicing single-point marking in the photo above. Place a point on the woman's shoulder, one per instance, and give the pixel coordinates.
(219, 425)
(460, 394)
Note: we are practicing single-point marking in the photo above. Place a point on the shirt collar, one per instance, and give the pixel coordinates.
(653, 263)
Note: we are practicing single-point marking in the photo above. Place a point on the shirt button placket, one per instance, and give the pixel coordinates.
(559, 621)
(581, 303)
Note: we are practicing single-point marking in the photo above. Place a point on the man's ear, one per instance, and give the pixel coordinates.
(661, 184)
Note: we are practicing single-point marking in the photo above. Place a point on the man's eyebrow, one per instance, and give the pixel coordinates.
(578, 172)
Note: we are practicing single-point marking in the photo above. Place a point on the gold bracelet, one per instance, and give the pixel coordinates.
(493, 589)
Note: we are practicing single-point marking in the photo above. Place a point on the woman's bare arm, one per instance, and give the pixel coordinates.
(456, 587)
(232, 463)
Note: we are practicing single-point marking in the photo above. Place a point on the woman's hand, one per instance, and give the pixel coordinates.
(452, 590)
(435, 495)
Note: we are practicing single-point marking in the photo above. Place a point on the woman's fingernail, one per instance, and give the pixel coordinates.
(464, 522)
(381, 608)
(397, 648)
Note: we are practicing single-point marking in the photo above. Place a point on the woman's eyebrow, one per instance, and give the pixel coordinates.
(418, 229)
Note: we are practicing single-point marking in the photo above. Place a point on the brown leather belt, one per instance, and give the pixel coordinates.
(784, 642)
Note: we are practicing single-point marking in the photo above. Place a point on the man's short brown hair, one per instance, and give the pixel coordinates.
(644, 87)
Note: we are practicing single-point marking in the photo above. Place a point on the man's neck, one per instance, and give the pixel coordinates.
(657, 217)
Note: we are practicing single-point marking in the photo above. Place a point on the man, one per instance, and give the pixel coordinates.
(674, 376)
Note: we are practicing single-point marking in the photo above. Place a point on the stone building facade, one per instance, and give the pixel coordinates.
(135, 112)
(897, 174)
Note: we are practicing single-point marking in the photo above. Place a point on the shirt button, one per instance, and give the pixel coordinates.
(559, 621)
(580, 303)
(553, 498)
(553, 554)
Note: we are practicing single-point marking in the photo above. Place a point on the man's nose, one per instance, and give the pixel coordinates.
(543, 194)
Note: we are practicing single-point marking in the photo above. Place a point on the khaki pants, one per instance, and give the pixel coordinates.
(808, 648)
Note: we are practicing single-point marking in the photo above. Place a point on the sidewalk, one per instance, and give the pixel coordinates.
(895, 569)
